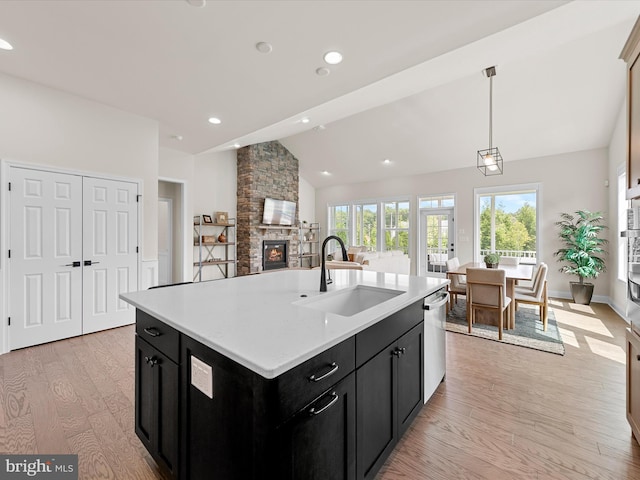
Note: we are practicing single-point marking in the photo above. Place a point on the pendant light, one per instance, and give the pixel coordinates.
(489, 159)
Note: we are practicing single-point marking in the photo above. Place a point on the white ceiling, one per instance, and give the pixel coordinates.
(409, 89)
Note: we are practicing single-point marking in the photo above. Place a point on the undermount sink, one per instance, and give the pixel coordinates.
(350, 301)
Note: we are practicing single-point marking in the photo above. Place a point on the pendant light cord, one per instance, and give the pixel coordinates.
(490, 110)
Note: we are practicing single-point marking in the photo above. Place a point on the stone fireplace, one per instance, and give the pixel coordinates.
(265, 170)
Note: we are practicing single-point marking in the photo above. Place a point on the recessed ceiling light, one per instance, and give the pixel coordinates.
(197, 3)
(236, 145)
(326, 173)
(333, 57)
(4, 45)
(319, 128)
(322, 71)
(215, 120)
(305, 120)
(386, 161)
(177, 137)
(264, 47)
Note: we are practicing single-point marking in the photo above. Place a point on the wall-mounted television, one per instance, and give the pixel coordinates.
(278, 212)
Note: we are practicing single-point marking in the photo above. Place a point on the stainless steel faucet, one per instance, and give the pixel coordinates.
(323, 274)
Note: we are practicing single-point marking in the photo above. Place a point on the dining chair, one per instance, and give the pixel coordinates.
(537, 296)
(531, 286)
(458, 285)
(486, 290)
(509, 261)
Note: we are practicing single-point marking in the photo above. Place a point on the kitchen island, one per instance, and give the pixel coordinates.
(265, 377)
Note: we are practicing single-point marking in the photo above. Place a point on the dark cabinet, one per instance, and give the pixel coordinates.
(156, 416)
(633, 383)
(337, 416)
(319, 442)
(631, 54)
(389, 396)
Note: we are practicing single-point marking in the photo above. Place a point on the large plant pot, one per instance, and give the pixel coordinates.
(581, 292)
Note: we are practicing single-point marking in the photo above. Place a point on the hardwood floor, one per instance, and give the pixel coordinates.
(504, 412)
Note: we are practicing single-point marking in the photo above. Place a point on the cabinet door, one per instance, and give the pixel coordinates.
(410, 377)
(157, 405)
(319, 442)
(633, 386)
(376, 405)
(144, 392)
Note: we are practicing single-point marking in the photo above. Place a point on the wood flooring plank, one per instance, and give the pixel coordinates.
(73, 415)
(19, 436)
(124, 462)
(16, 402)
(92, 463)
(47, 425)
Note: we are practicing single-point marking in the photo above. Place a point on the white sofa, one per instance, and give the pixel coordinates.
(393, 261)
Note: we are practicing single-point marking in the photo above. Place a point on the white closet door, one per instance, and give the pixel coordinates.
(110, 260)
(45, 299)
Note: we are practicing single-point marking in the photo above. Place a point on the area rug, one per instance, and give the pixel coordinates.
(528, 332)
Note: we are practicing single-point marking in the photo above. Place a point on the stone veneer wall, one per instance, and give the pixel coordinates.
(264, 170)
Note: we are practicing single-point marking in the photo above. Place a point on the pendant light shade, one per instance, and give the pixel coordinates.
(489, 159)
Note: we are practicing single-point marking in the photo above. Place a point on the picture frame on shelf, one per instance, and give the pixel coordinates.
(222, 217)
(206, 219)
(196, 219)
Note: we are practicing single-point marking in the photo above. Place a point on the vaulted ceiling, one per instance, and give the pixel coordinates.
(410, 88)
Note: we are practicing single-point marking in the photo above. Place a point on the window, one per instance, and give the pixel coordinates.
(507, 222)
(376, 224)
(339, 222)
(439, 201)
(623, 205)
(396, 226)
(366, 230)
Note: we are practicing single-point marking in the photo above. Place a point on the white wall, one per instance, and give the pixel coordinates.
(177, 166)
(571, 181)
(306, 201)
(48, 127)
(617, 157)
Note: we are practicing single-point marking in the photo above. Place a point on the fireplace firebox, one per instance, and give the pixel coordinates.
(274, 254)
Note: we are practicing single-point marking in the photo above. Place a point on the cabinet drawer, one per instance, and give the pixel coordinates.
(159, 334)
(370, 341)
(300, 385)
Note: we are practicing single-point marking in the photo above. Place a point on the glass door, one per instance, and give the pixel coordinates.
(436, 241)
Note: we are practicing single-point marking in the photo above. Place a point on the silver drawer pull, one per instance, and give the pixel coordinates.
(152, 331)
(313, 411)
(334, 369)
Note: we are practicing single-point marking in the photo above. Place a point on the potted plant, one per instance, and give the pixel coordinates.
(492, 260)
(582, 250)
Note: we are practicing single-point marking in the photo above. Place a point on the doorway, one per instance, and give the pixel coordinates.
(436, 241)
(171, 232)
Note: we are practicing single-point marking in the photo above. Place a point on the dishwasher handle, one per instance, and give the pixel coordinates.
(442, 299)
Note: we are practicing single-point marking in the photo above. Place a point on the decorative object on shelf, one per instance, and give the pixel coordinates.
(490, 159)
(222, 217)
(208, 238)
(582, 250)
(196, 219)
(206, 219)
(222, 238)
(492, 260)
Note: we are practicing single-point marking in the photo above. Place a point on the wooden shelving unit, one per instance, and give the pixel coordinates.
(207, 246)
(309, 245)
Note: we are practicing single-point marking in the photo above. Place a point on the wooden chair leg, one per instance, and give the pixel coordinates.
(501, 323)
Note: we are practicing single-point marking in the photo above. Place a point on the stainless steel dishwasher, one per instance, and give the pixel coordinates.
(435, 342)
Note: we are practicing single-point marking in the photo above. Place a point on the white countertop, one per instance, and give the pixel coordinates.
(255, 321)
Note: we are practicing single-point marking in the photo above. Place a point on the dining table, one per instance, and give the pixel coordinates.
(513, 273)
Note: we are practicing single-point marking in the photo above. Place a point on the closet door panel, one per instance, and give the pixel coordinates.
(110, 257)
(45, 239)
